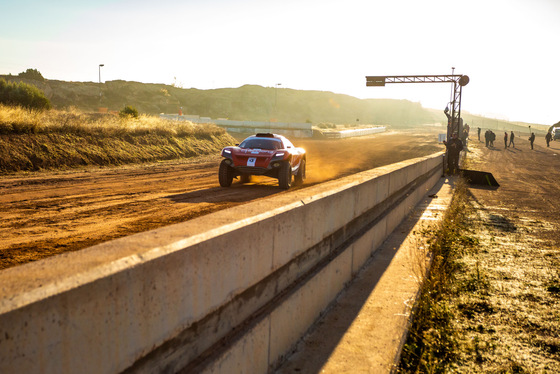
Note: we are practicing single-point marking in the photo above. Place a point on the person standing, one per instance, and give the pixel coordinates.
(464, 137)
(548, 138)
(511, 136)
(479, 134)
(454, 147)
(505, 138)
(532, 139)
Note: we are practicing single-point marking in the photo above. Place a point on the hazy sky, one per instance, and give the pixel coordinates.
(510, 49)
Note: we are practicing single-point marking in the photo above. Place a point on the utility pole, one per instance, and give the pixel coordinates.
(276, 101)
(100, 66)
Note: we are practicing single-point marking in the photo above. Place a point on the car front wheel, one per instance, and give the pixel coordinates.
(225, 174)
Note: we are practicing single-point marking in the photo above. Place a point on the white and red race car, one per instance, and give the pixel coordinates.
(263, 154)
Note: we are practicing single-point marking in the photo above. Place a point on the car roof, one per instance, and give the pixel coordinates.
(267, 135)
(282, 138)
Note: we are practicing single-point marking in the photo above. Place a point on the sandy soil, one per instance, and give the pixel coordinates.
(529, 179)
(511, 322)
(47, 213)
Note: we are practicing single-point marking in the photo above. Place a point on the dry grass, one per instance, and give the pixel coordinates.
(491, 303)
(508, 309)
(432, 338)
(34, 140)
(17, 120)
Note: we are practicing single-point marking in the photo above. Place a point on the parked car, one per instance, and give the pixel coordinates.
(263, 154)
(556, 133)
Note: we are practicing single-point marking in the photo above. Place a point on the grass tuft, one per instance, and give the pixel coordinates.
(432, 340)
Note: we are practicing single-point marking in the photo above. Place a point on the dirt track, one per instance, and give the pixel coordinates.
(47, 213)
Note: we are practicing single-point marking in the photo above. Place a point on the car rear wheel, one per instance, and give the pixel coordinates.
(285, 176)
(225, 174)
(300, 176)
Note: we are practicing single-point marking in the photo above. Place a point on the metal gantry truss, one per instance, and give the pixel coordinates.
(454, 122)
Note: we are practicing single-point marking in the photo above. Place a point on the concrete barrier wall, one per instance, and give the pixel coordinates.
(298, 130)
(293, 133)
(354, 132)
(289, 320)
(293, 129)
(228, 292)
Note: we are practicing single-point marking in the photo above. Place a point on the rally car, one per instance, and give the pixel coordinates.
(263, 154)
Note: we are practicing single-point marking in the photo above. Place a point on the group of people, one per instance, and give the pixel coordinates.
(489, 137)
(455, 145)
(511, 137)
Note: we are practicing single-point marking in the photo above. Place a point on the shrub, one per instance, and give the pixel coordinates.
(22, 94)
(32, 74)
(129, 111)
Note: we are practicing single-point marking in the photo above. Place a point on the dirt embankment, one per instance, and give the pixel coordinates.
(32, 152)
(47, 213)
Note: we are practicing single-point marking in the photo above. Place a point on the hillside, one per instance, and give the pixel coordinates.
(254, 103)
(248, 102)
